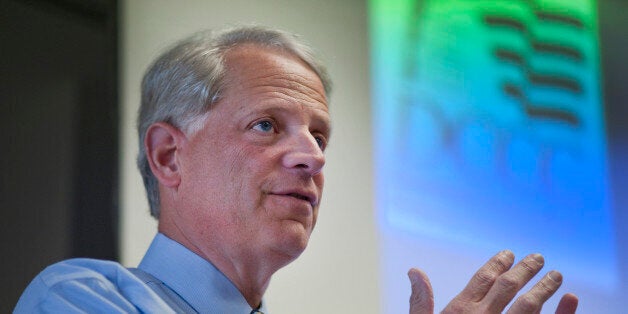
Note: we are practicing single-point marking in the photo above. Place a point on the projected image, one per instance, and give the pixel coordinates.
(490, 130)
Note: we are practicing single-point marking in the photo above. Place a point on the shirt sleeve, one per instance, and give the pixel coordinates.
(89, 286)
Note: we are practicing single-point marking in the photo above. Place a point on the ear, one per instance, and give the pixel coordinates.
(162, 144)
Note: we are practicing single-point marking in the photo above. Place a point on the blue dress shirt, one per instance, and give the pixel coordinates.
(169, 279)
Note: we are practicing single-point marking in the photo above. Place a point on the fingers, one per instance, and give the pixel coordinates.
(485, 277)
(509, 283)
(495, 284)
(422, 297)
(568, 304)
(532, 301)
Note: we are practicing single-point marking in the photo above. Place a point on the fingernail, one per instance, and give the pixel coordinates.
(507, 254)
(556, 276)
(413, 276)
(538, 257)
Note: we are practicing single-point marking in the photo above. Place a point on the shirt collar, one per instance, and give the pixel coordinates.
(195, 279)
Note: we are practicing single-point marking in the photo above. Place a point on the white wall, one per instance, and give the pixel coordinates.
(338, 273)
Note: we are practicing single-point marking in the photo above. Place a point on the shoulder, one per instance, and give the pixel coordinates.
(80, 269)
(88, 285)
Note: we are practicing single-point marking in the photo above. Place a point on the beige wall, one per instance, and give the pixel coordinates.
(338, 273)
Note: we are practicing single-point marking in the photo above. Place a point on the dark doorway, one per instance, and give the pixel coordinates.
(59, 143)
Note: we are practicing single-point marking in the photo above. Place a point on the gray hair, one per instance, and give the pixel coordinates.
(181, 85)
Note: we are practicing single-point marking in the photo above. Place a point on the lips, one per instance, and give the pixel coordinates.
(301, 195)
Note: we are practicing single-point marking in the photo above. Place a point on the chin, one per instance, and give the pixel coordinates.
(293, 241)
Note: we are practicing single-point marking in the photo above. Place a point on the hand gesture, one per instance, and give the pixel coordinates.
(493, 286)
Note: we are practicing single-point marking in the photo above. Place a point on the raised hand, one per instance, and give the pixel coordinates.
(494, 286)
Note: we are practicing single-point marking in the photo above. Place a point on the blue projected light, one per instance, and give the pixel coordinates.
(490, 129)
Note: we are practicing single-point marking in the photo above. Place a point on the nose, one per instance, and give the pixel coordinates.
(304, 154)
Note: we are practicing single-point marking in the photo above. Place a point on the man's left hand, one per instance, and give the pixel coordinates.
(494, 286)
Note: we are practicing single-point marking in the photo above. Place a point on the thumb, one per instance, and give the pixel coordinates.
(422, 297)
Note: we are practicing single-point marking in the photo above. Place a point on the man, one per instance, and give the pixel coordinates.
(233, 127)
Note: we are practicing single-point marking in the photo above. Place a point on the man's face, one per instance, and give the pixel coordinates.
(252, 176)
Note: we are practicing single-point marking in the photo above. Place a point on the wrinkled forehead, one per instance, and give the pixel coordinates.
(248, 65)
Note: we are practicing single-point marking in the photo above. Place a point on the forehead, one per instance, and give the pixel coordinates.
(255, 69)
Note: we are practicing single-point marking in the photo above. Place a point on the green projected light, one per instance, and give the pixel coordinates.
(490, 130)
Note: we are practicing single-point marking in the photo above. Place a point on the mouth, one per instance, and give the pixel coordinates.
(301, 195)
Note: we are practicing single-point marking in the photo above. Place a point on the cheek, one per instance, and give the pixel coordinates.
(314, 218)
(241, 182)
(209, 171)
(319, 180)
(237, 168)
(252, 164)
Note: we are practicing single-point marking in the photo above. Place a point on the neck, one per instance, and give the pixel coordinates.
(249, 272)
(250, 277)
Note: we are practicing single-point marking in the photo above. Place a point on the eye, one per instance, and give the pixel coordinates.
(321, 141)
(264, 126)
